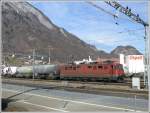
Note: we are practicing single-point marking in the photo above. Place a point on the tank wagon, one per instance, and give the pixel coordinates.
(40, 71)
(46, 71)
(97, 71)
(24, 71)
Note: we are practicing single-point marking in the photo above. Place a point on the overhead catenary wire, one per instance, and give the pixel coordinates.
(136, 19)
(133, 16)
(127, 12)
(100, 8)
(120, 41)
(116, 15)
(131, 30)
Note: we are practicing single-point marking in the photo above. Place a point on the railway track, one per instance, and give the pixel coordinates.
(90, 87)
(127, 82)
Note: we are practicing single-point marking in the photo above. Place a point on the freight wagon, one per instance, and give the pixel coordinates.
(24, 71)
(46, 71)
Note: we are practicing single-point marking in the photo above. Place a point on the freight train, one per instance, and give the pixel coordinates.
(91, 71)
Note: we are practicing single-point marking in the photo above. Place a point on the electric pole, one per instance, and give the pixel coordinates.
(148, 70)
(33, 64)
(127, 12)
(136, 18)
(49, 61)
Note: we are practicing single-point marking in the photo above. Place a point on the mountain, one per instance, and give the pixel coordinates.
(127, 50)
(25, 28)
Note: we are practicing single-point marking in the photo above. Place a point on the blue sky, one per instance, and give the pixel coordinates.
(95, 26)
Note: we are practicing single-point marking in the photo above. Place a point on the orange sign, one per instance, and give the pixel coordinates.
(136, 57)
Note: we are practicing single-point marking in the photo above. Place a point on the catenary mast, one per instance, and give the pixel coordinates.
(135, 17)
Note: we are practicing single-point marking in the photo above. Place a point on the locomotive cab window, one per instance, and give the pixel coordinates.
(100, 67)
(70, 67)
(89, 66)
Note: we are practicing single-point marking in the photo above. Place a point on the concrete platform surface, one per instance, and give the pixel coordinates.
(38, 99)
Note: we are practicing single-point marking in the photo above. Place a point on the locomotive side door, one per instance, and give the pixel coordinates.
(115, 71)
(112, 70)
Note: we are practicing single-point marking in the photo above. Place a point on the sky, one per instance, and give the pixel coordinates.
(96, 27)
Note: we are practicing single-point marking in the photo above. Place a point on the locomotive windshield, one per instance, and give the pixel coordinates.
(120, 66)
(117, 67)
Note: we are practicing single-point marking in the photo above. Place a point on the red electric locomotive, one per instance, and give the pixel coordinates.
(96, 71)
